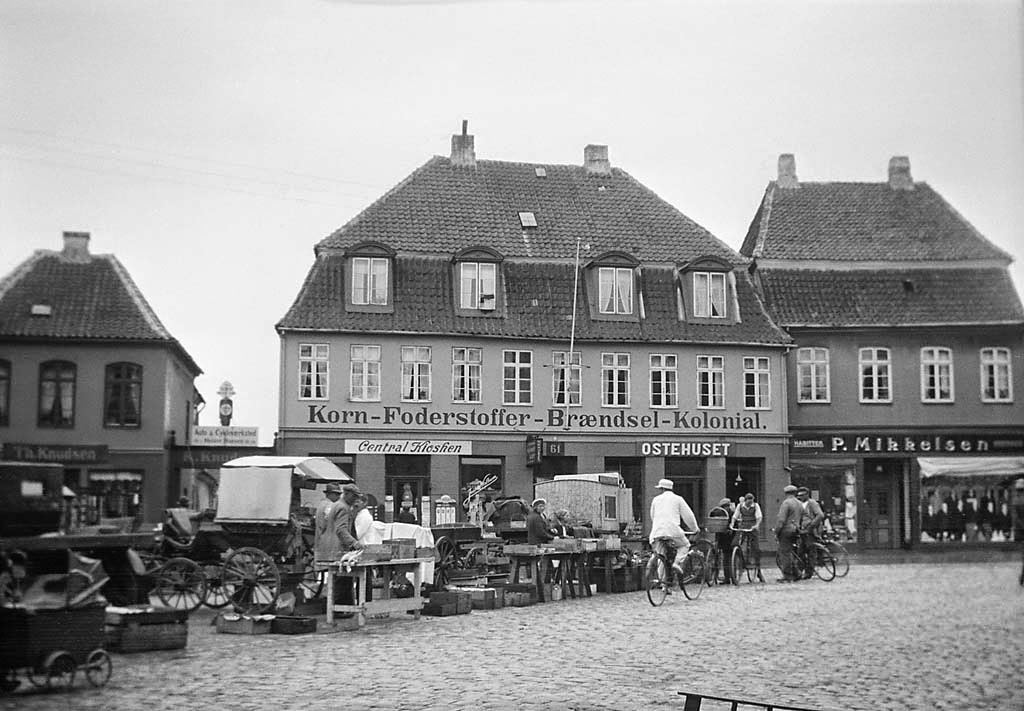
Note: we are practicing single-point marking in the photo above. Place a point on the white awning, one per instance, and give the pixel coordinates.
(971, 466)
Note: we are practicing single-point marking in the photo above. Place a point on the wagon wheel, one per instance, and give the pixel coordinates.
(476, 557)
(312, 583)
(60, 670)
(216, 594)
(444, 560)
(252, 580)
(98, 667)
(180, 584)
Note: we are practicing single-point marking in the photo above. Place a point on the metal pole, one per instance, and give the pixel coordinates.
(572, 333)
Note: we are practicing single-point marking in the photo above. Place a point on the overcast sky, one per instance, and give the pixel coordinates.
(210, 145)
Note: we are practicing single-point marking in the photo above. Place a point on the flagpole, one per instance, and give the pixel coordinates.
(572, 332)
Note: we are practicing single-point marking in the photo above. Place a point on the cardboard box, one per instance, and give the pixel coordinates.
(229, 623)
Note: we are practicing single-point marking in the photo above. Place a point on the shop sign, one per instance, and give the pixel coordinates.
(533, 445)
(224, 436)
(408, 446)
(553, 418)
(196, 458)
(55, 453)
(683, 449)
(907, 443)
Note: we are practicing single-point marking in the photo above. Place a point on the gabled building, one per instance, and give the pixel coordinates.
(498, 321)
(91, 379)
(905, 401)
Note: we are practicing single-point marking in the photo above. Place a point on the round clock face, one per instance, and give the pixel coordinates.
(225, 409)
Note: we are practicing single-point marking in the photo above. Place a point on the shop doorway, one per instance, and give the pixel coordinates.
(632, 472)
(687, 477)
(406, 482)
(879, 515)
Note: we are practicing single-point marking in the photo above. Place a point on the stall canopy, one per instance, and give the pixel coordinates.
(984, 469)
(315, 469)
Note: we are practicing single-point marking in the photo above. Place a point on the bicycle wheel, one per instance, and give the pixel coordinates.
(824, 563)
(842, 558)
(692, 581)
(657, 579)
(710, 563)
(739, 567)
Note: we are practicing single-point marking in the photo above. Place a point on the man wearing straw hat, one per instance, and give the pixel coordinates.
(667, 537)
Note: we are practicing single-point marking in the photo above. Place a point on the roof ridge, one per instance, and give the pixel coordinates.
(136, 296)
(15, 275)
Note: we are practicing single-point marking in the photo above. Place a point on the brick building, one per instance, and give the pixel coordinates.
(446, 334)
(905, 379)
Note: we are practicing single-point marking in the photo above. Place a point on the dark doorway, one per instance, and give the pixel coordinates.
(688, 477)
(631, 469)
(879, 513)
(406, 480)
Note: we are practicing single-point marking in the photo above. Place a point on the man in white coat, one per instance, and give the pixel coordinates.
(667, 537)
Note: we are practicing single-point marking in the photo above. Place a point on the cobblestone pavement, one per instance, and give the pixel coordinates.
(915, 636)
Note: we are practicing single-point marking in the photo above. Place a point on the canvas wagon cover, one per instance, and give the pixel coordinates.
(259, 489)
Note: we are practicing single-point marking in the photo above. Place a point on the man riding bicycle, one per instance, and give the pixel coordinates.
(667, 537)
(746, 521)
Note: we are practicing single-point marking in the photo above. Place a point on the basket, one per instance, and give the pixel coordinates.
(716, 524)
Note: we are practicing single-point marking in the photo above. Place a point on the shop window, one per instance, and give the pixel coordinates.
(711, 382)
(835, 490)
(996, 377)
(959, 507)
(57, 394)
(812, 374)
(5, 393)
(874, 375)
(314, 371)
(486, 471)
(664, 380)
(364, 373)
(467, 366)
(122, 395)
(517, 377)
(416, 373)
(743, 476)
(566, 378)
(936, 375)
(113, 495)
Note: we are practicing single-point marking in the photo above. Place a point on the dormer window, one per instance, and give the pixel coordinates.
(707, 290)
(477, 273)
(369, 272)
(613, 288)
(709, 295)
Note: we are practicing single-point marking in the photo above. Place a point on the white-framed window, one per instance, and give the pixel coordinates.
(478, 285)
(711, 382)
(996, 375)
(416, 373)
(517, 377)
(875, 375)
(664, 380)
(566, 378)
(314, 371)
(615, 290)
(370, 280)
(364, 373)
(812, 375)
(467, 364)
(757, 383)
(709, 294)
(936, 374)
(615, 379)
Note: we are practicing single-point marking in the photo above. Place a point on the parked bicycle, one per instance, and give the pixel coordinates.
(660, 575)
(816, 559)
(713, 559)
(830, 540)
(744, 561)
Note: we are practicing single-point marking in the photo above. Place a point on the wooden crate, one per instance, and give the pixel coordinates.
(141, 628)
(402, 548)
(445, 609)
(376, 551)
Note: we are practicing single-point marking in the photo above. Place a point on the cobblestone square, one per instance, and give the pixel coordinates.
(919, 636)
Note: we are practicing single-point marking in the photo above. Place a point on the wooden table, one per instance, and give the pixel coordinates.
(571, 565)
(359, 572)
(607, 558)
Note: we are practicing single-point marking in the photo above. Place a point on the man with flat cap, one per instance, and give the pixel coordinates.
(787, 525)
(324, 542)
(668, 537)
(341, 523)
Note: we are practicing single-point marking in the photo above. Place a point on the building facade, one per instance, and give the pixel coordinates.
(90, 378)
(905, 378)
(500, 322)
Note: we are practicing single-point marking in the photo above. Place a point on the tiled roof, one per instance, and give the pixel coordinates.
(804, 297)
(443, 208)
(92, 298)
(425, 303)
(863, 222)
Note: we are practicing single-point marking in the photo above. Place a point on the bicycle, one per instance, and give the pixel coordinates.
(743, 559)
(659, 575)
(708, 547)
(823, 563)
(831, 541)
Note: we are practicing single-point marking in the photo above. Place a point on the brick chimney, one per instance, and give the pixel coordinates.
(462, 148)
(595, 160)
(76, 247)
(787, 172)
(899, 173)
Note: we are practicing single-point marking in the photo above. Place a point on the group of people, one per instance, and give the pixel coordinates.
(343, 522)
(798, 522)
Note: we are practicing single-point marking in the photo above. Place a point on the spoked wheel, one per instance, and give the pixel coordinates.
(444, 561)
(216, 594)
(60, 671)
(312, 582)
(824, 563)
(842, 558)
(98, 667)
(710, 566)
(252, 581)
(694, 575)
(181, 584)
(657, 580)
(739, 567)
